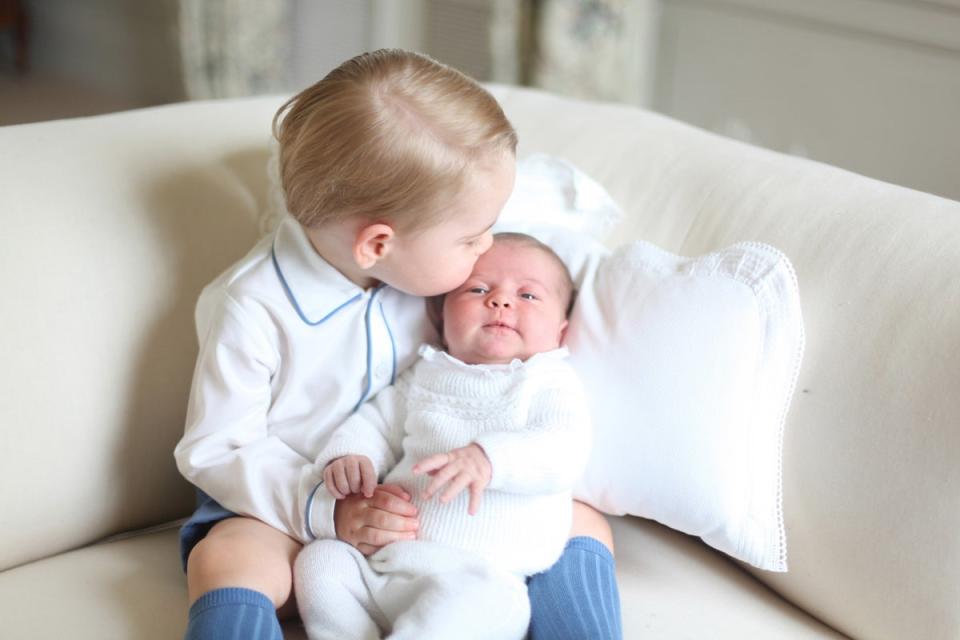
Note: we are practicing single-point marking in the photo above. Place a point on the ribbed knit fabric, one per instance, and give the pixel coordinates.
(406, 591)
(578, 597)
(530, 418)
(233, 614)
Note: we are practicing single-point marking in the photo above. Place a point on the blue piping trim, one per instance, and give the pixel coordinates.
(293, 300)
(366, 322)
(313, 494)
(393, 345)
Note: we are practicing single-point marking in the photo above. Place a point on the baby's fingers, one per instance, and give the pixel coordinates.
(340, 480)
(440, 478)
(368, 477)
(476, 492)
(352, 468)
(330, 482)
(458, 484)
(431, 463)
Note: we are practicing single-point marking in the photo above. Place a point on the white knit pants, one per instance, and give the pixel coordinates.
(407, 590)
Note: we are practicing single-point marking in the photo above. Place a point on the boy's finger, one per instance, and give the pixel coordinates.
(368, 478)
(394, 489)
(387, 521)
(381, 537)
(393, 504)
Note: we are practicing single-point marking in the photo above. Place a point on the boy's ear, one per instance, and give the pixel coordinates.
(563, 332)
(372, 243)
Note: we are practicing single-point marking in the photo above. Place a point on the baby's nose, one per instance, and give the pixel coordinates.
(499, 301)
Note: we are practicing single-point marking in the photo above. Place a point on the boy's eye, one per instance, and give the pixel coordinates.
(528, 296)
(477, 290)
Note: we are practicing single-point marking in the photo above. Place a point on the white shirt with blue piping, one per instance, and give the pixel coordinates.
(289, 348)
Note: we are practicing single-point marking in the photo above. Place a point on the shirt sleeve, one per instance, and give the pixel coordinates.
(227, 450)
(549, 453)
(375, 431)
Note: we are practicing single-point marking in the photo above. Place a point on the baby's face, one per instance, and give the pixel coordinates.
(513, 305)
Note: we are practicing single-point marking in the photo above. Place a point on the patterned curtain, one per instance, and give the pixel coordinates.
(595, 49)
(232, 48)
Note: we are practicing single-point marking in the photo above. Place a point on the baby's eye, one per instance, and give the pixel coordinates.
(477, 290)
(528, 296)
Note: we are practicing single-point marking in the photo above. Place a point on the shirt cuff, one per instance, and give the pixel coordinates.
(319, 517)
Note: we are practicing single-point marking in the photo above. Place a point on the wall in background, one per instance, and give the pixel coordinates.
(457, 32)
(122, 48)
(868, 85)
(323, 34)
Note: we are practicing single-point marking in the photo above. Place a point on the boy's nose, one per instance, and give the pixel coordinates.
(485, 243)
(498, 302)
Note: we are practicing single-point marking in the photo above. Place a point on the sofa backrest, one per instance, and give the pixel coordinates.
(872, 441)
(111, 226)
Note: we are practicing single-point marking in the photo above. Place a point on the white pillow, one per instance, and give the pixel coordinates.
(549, 191)
(690, 365)
(558, 204)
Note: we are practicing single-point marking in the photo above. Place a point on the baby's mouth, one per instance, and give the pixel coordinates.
(499, 326)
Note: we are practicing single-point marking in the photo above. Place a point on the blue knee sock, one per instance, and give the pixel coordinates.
(578, 596)
(233, 614)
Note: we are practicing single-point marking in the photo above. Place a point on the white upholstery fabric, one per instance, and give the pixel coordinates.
(672, 587)
(870, 465)
(112, 224)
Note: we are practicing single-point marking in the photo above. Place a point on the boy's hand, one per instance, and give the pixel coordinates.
(466, 467)
(348, 475)
(371, 523)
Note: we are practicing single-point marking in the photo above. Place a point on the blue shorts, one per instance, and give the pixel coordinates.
(208, 513)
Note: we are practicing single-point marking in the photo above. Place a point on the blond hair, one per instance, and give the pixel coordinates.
(389, 135)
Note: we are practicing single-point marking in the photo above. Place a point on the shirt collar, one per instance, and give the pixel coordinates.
(315, 289)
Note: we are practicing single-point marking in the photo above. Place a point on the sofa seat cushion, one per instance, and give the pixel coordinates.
(673, 586)
(676, 587)
(128, 588)
(131, 588)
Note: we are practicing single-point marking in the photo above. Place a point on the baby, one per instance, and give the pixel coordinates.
(498, 413)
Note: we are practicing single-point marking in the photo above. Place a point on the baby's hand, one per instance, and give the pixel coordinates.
(464, 467)
(350, 474)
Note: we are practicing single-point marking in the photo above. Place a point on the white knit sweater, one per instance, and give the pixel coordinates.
(531, 419)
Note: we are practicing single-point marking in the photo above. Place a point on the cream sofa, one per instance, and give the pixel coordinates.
(112, 224)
